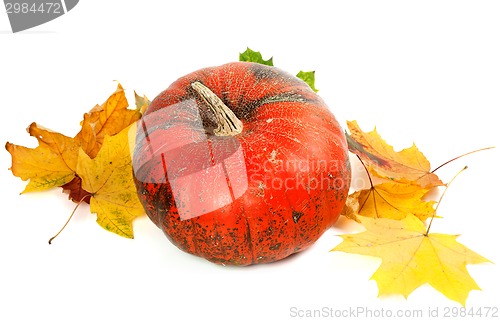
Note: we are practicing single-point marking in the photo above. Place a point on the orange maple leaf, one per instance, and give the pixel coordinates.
(107, 119)
(408, 165)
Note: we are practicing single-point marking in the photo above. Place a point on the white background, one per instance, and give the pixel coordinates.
(422, 71)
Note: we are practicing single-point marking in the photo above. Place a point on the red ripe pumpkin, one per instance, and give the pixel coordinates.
(241, 164)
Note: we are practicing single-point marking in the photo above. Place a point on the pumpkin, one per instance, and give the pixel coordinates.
(241, 164)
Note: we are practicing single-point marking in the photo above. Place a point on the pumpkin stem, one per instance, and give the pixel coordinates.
(227, 122)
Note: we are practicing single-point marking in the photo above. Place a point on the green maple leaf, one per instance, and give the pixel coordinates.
(255, 56)
(308, 78)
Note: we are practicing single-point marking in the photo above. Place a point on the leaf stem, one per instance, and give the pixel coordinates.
(451, 160)
(366, 170)
(69, 219)
(441, 198)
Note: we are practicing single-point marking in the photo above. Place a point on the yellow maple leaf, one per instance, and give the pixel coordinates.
(411, 257)
(64, 146)
(107, 119)
(141, 102)
(391, 200)
(108, 178)
(51, 164)
(408, 165)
